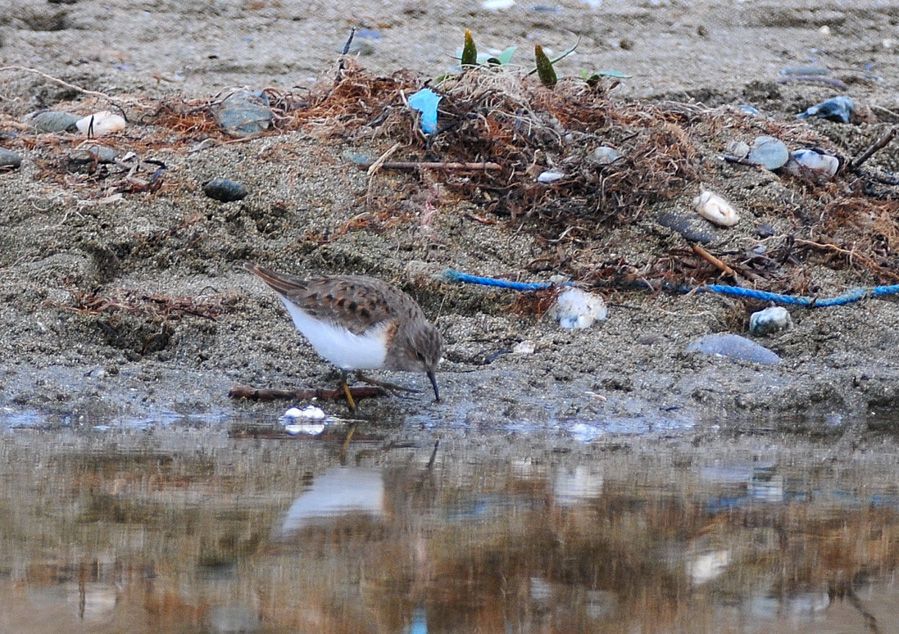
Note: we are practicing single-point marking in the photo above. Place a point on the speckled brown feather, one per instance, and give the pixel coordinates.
(354, 301)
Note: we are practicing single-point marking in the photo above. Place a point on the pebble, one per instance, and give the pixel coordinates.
(749, 109)
(770, 320)
(524, 347)
(576, 309)
(304, 421)
(53, 121)
(765, 230)
(690, 227)
(733, 347)
(310, 412)
(738, 149)
(9, 160)
(498, 5)
(92, 154)
(837, 109)
(244, 113)
(101, 123)
(769, 152)
(605, 155)
(224, 190)
(715, 209)
(812, 163)
(550, 176)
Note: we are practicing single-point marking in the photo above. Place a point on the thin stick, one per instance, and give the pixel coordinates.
(378, 164)
(346, 49)
(349, 41)
(711, 259)
(265, 394)
(879, 144)
(431, 165)
(85, 91)
(433, 454)
(850, 255)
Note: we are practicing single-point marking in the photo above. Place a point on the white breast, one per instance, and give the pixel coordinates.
(346, 350)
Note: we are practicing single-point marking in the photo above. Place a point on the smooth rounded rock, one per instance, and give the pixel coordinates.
(768, 152)
(53, 121)
(93, 154)
(550, 176)
(9, 160)
(605, 155)
(224, 190)
(733, 347)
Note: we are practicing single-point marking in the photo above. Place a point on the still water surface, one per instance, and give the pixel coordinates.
(186, 530)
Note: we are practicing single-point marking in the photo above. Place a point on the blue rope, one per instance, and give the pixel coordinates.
(457, 276)
(720, 289)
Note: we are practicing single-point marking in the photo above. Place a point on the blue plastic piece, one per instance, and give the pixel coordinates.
(425, 101)
(837, 109)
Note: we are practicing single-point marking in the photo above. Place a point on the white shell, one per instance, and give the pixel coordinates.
(575, 308)
(104, 122)
(715, 209)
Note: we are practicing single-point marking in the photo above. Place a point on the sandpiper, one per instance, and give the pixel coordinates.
(358, 323)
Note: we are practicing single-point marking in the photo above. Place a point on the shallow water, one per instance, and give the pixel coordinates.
(190, 529)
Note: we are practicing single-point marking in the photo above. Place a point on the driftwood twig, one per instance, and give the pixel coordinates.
(303, 394)
(711, 259)
(879, 144)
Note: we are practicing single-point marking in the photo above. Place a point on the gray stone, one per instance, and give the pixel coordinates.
(770, 320)
(733, 347)
(244, 113)
(9, 160)
(53, 121)
(224, 190)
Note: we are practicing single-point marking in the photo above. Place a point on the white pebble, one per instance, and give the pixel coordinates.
(550, 177)
(310, 412)
(524, 347)
(104, 122)
(498, 5)
(715, 209)
(575, 308)
(605, 155)
(773, 319)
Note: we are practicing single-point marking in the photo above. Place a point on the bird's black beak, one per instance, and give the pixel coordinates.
(434, 384)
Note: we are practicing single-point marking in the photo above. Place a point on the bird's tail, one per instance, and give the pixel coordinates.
(284, 284)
